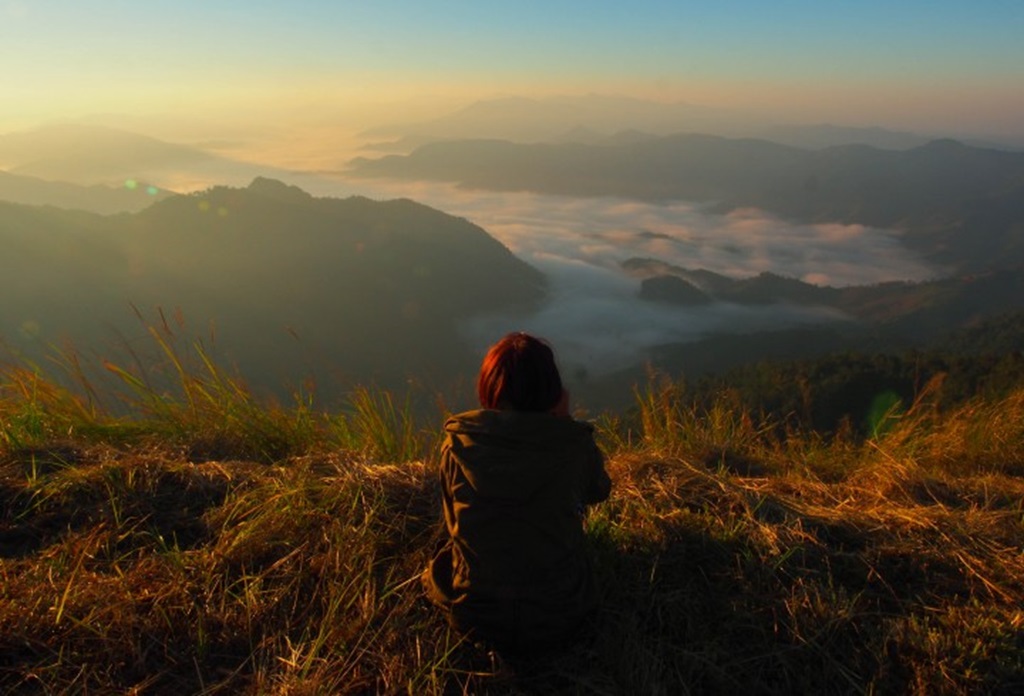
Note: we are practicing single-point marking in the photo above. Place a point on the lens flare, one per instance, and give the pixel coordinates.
(883, 413)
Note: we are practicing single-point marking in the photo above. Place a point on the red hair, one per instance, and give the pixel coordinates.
(519, 374)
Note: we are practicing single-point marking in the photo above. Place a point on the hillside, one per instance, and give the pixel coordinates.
(104, 200)
(91, 154)
(921, 311)
(975, 315)
(95, 155)
(370, 288)
(961, 206)
(545, 119)
(209, 542)
(596, 118)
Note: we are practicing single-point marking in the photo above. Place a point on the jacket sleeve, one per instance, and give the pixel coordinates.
(597, 485)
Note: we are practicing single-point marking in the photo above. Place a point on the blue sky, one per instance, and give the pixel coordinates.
(64, 55)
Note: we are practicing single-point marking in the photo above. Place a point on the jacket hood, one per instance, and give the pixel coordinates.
(510, 454)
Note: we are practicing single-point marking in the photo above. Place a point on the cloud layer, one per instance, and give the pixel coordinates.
(594, 316)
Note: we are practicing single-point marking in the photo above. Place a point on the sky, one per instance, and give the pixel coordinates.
(958, 66)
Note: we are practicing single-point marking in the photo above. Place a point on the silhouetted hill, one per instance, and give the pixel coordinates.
(527, 119)
(962, 206)
(80, 153)
(995, 335)
(672, 289)
(859, 388)
(967, 317)
(96, 199)
(92, 154)
(593, 118)
(982, 360)
(822, 135)
(372, 290)
(923, 310)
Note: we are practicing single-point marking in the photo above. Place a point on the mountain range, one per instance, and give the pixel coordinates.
(528, 119)
(89, 154)
(97, 198)
(910, 313)
(371, 291)
(961, 206)
(355, 290)
(974, 318)
(595, 117)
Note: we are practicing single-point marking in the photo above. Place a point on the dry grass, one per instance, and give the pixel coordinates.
(731, 558)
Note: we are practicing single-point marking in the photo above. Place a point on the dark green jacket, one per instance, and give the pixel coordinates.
(514, 487)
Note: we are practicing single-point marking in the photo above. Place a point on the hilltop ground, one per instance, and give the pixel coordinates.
(208, 543)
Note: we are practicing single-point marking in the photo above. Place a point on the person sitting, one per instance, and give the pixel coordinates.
(516, 477)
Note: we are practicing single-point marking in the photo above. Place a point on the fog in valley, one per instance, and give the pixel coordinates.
(282, 281)
(594, 315)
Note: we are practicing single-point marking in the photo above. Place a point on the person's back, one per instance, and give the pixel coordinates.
(514, 483)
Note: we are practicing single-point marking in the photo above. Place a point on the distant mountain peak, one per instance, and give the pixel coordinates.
(943, 145)
(581, 134)
(93, 154)
(672, 289)
(278, 190)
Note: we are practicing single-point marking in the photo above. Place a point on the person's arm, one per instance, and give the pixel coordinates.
(599, 484)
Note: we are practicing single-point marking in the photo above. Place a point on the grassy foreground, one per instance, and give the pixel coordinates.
(197, 541)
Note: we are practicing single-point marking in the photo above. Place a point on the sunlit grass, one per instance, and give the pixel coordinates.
(198, 540)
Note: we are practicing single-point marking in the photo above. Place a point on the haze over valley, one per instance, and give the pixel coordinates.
(349, 227)
(279, 277)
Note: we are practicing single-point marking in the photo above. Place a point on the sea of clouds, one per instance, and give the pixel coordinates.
(594, 316)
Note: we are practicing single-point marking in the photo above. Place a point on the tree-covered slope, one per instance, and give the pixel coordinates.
(371, 289)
